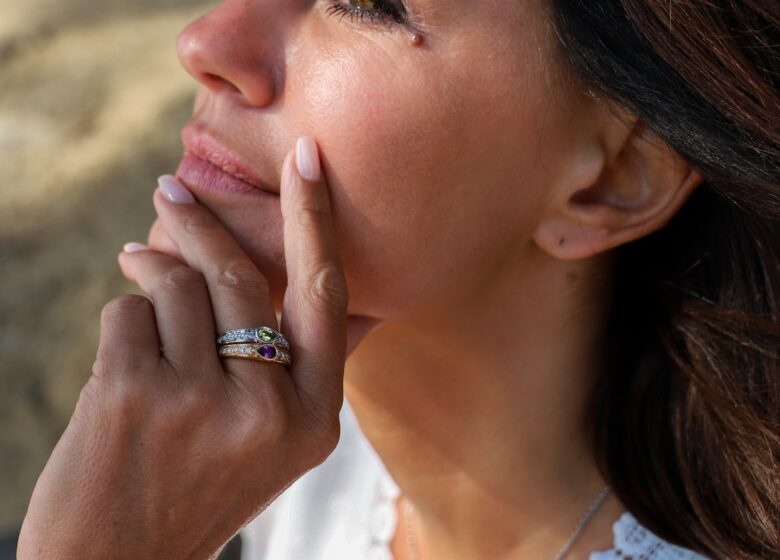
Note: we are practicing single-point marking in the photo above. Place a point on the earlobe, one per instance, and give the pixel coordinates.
(636, 191)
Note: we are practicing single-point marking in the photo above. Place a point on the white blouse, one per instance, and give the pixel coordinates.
(344, 509)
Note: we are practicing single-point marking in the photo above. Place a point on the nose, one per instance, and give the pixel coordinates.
(235, 49)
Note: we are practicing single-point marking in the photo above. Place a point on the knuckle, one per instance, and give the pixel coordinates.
(273, 418)
(242, 276)
(88, 402)
(198, 224)
(311, 215)
(270, 427)
(182, 278)
(190, 406)
(264, 419)
(112, 362)
(129, 304)
(114, 404)
(126, 399)
(328, 289)
(101, 369)
(324, 439)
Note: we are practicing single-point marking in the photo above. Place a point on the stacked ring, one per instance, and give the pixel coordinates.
(266, 335)
(257, 352)
(261, 344)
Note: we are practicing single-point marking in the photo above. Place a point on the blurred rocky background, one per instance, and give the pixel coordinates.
(92, 99)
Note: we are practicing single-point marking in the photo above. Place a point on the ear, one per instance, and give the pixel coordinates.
(620, 184)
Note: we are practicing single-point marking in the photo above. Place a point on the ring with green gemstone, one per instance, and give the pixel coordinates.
(261, 335)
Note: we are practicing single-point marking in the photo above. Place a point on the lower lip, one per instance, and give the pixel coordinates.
(200, 175)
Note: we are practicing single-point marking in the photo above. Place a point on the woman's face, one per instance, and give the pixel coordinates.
(436, 154)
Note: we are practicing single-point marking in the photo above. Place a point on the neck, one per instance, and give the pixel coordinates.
(479, 410)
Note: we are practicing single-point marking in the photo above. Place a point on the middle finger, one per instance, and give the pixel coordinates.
(239, 292)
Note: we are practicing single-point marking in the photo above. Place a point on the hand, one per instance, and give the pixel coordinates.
(169, 451)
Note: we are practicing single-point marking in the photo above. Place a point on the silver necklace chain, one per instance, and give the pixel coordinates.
(414, 552)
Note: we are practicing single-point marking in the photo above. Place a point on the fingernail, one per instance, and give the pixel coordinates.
(307, 158)
(173, 190)
(134, 247)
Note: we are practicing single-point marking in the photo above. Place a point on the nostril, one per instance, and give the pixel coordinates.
(218, 82)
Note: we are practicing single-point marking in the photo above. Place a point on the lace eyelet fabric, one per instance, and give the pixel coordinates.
(383, 519)
(632, 541)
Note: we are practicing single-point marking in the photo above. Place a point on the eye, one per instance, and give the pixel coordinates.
(383, 12)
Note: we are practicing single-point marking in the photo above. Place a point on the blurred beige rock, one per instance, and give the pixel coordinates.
(92, 99)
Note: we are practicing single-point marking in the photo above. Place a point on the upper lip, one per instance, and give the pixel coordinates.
(202, 144)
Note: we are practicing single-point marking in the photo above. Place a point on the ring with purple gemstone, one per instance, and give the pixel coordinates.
(259, 352)
(263, 335)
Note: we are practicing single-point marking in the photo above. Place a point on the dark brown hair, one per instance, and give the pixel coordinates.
(687, 414)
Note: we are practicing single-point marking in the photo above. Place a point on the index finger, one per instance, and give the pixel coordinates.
(315, 303)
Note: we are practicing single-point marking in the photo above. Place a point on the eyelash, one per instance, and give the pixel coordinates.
(386, 14)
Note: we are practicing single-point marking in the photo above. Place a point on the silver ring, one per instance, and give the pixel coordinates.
(261, 335)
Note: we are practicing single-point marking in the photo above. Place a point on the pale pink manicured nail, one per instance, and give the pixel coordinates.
(174, 190)
(307, 158)
(134, 247)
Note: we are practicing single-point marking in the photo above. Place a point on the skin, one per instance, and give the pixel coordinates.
(477, 194)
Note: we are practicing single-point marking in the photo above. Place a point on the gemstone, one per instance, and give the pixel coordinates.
(266, 335)
(267, 352)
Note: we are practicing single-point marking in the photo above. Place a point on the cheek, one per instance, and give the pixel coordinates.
(406, 178)
(433, 166)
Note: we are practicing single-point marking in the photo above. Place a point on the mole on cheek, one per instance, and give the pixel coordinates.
(416, 39)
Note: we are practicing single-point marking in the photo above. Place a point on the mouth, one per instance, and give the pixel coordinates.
(209, 165)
